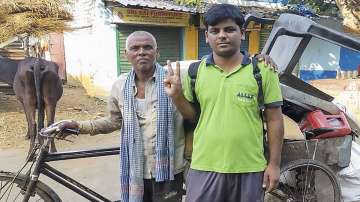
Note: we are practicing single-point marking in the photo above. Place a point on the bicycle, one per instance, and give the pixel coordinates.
(307, 179)
(26, 187)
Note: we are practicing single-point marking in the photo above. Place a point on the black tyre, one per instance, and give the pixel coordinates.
(12, 189)
(306, 180)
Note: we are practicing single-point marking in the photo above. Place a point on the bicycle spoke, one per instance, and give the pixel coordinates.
(307, 180)
(306, 186)
(287, 186)
(3, 186)
(11, 186)
(305, 183)
(17, 196)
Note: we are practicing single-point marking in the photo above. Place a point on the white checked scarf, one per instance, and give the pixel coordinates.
(132, 146)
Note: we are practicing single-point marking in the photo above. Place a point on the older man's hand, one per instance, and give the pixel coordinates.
(67, 127)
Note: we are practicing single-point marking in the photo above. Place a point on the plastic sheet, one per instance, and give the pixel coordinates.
(349, 177)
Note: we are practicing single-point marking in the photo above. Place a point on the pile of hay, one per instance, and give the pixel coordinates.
(32, 17)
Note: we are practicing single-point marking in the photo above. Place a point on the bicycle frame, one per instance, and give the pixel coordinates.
(41, 167)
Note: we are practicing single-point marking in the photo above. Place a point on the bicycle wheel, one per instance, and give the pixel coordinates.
(12, 189)
(306, 180)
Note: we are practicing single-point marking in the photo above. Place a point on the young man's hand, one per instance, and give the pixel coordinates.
(271, 177)
(172, 81)
(268, 61)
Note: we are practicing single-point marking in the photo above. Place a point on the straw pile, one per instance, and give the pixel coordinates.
(32, 17)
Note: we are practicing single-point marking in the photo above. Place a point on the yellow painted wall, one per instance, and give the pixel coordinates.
(90, 87)
(254, 41)
(191, 43)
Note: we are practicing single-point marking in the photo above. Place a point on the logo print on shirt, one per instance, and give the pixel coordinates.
(245, 97)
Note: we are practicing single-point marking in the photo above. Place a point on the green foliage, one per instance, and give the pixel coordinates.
(188, 2)
(323, 7)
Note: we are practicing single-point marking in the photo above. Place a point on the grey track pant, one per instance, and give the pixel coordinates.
(203, 186)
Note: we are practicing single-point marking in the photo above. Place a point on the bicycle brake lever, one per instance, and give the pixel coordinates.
(71, 131)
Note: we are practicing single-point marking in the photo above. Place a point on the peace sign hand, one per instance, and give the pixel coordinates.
(172, 81)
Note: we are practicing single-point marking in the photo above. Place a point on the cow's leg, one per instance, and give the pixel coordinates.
(28, 121)
(30, 105)
(52, 92)
(40, 122)
(50, 116)
(30, 108)
(30, 118)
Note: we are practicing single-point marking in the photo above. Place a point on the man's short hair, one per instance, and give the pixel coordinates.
(220, 12)
(140, 33)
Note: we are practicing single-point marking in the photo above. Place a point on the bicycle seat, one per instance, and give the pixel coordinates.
(317, 131)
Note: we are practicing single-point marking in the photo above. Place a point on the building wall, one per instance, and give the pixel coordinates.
(323, 60)
(90, 50)
(254, 41)
(57, 53)
(320, 60)
(349, 60)
(191, 41)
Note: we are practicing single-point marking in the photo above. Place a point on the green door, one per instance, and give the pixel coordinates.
(168, 40)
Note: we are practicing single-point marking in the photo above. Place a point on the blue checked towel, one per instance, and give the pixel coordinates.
(132, 146)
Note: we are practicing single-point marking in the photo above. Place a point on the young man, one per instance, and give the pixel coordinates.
(228, 162)
(152, 135)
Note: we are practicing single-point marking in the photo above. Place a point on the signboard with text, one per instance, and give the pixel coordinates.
(150, 17)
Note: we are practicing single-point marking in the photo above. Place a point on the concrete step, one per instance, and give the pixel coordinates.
(6, 89)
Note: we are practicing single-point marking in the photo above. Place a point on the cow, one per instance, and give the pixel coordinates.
(37, 85)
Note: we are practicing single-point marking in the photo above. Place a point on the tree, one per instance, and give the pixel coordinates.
(349, 9)
(188, 2)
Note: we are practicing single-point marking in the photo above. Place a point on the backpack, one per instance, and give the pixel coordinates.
(192, 72)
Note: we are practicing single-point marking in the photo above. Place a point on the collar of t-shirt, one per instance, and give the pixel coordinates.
(246, 60)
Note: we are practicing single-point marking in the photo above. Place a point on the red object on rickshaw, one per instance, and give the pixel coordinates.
(317, 119)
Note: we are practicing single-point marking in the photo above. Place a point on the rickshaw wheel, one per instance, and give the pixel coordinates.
(306, 180)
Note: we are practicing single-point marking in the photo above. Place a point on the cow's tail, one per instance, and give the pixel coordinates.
(39, 97)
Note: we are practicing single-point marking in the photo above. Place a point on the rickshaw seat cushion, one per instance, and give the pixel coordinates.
(292, 130)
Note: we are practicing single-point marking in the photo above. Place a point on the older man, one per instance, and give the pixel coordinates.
(152, 135)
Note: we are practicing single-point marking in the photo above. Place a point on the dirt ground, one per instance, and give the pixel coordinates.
(74, 104)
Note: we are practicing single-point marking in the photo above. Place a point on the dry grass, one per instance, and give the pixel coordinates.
(35, 17)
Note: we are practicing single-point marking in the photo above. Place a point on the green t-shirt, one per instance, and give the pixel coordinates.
(229, 137)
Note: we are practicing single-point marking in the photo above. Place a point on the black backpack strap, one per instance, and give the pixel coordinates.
(192, 72)
(258, 78)
(260, 98)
